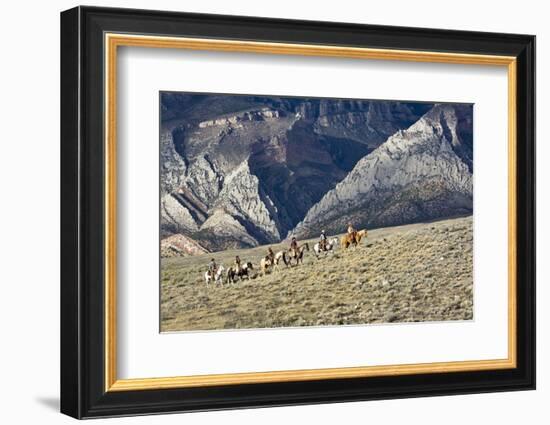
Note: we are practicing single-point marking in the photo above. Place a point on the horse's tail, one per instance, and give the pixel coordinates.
(284, 259)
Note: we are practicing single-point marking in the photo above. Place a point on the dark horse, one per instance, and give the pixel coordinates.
(244, 272)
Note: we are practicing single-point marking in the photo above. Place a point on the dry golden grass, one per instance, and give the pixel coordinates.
(414, 273)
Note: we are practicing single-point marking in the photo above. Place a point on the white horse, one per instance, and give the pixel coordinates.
(265, 265)
(280, 256)
(329, 247)
(217, 276)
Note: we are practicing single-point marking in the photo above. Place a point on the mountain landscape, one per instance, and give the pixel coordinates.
(243, 171)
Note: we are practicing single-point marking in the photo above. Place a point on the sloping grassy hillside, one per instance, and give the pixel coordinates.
(420, 272)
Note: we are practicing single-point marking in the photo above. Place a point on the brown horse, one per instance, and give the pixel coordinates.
(297, 254)
(353, 238)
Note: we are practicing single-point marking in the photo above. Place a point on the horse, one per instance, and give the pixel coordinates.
(352, 239)
(329, 247)
(233, 274)
(281, 255)
(298, 254)
(265, 264)
(217, 275)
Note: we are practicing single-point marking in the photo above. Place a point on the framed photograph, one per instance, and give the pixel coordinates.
(261, 212)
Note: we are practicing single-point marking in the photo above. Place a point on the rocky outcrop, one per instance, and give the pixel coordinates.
(262, 114)
(421, 173)
(175, 216)
(243, 199)
(172, 165)
(222, 231)
(179, 245)
(366, 122)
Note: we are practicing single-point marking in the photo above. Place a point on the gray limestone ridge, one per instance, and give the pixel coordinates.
(421, 173)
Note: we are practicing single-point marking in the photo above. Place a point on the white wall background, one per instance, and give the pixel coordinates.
(29, 213)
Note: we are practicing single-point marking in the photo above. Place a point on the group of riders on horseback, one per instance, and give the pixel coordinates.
(272, 260)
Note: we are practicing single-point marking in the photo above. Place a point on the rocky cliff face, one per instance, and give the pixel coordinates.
(238, 171)
(180, 246)
(421, 173)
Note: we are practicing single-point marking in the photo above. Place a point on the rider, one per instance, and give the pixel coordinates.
(294, 247)
(212, 267)
(352, 232)
(270, 255)
(237, 264)
(323, 241)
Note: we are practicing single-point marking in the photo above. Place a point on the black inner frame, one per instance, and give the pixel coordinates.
(82, 207)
